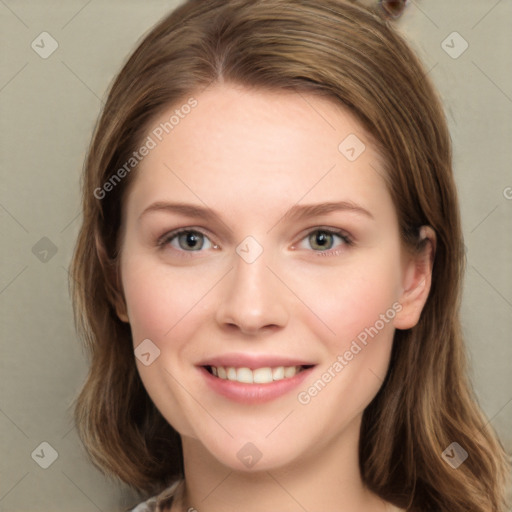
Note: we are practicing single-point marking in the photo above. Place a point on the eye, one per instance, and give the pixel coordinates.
(186, 240)
(323, 240)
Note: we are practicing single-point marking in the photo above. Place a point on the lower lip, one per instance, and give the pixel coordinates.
(254, 393)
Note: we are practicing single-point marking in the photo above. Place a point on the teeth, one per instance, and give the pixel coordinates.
(244, 375)
(289, 371)
(278, 373)
(258, 376)
(262, 375)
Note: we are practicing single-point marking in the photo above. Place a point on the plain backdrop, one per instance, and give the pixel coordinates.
(48, 110)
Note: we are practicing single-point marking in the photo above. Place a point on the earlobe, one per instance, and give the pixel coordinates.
(117, 297)
(112, 275)
(121, 312)
(119, 302)
(417, 280)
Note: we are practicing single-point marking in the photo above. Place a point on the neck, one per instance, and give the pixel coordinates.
(326, 479)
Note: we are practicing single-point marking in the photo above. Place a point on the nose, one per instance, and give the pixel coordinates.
(253, 299)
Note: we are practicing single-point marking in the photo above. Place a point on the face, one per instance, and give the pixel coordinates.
(261, 261)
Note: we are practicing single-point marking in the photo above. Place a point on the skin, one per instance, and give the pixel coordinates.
(251, 156)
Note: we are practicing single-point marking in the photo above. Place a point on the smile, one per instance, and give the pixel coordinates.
(265, 375)
(252, 380)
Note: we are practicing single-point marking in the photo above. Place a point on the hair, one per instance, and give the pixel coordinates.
(354, 57)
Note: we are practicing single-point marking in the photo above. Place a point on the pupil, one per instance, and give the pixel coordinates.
(190, 240)
(321, 240)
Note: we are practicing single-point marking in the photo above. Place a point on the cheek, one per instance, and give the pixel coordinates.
(159, 300)
(359, 309)
(354, 299)
(163, 307)
(358, 303)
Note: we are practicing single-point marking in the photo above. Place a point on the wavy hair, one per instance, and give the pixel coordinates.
(353, 56)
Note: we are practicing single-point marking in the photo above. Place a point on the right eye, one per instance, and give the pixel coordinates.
(188, 240)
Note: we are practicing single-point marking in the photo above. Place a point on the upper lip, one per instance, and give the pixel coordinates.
(253, 361)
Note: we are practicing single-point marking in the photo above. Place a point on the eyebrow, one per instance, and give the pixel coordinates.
(300, 212)
(188, 210)
(297, 212)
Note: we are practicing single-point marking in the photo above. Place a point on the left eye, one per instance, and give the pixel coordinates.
(188, 241)
(323, 240)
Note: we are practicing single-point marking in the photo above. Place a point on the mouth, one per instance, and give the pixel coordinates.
(263, 375)
(253, 379)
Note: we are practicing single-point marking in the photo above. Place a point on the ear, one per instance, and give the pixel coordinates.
(416, 280)
(120, 307)
(112, 281)
(116, 296)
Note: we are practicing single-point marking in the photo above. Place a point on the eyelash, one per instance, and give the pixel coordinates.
(165, 239)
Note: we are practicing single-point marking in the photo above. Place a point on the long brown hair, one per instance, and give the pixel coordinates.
(354, 57)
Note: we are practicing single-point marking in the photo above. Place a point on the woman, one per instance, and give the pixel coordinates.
(268, 272)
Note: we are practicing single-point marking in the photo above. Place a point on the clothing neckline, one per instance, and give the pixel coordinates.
(165, 499)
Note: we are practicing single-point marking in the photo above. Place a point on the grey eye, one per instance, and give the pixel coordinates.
(321, 240)
(190, 241)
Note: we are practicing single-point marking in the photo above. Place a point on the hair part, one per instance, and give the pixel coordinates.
(355, 58)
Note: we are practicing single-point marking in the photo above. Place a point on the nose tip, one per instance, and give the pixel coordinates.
(251, 326)
(252, 299)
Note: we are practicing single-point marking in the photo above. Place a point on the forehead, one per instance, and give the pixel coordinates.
(242, 149)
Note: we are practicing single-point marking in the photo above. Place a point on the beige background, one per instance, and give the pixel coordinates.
(48, 109)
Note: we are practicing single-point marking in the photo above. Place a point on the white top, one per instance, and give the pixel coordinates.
(154, 503)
